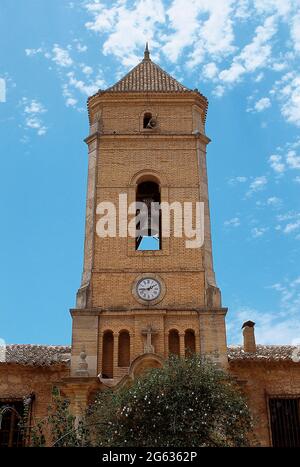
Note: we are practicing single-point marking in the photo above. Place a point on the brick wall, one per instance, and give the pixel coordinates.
(262, 380)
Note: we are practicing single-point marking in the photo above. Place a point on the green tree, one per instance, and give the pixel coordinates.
(59, 427)
(189, 402)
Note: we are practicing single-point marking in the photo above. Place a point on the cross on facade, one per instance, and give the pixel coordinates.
(149, 332)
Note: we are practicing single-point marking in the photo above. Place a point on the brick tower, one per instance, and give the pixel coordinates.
(147, 139)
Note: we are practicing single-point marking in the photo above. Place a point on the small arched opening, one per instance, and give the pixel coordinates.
(147, 120)
(148, 227)
(108, 355)
(174, 343)
(189, 342)
(124, 349)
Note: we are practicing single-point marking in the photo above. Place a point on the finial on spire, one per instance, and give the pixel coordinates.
(146, 53)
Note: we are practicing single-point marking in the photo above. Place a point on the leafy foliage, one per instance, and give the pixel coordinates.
(59, 427)
(188, 402)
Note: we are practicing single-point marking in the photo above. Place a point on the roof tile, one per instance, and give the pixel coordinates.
(147, 76)
(35, 355)
(264, 353)
(46, 355)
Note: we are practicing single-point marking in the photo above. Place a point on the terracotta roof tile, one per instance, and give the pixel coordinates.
(264, 353)
(147, 76)
(46, 355)
(35, 355)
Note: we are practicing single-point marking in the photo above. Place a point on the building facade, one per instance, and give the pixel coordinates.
(145, 297)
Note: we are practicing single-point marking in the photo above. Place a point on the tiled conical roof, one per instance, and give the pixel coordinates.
(147, 76)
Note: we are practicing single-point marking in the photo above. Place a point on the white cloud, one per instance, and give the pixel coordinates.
(81, 48)
(258, 184)
(276, 163)
(233, 73)
(295, 32)
(128, 28)
(61, 56)
(259, 77)
(280, 7)
(272, 328)
(281, 325)
(291, 227)
(254, 55)
(210, 70)
(258, 231)
(87, 84)
(87, 70)
(36, 124)
(292, 160)
(219, 91)
(293, 222)
(274, 201)
(203, 26)
(297, 179)
(85, 88)
(262, 104)
(213, 35)
(288, 216)
(234, 222)
(287, 90)
(205, 33)
(235, 180)
(71, 102)
(32, 52)
(279, 66)
(32, 109)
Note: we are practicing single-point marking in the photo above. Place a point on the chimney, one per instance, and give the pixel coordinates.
(249, 337)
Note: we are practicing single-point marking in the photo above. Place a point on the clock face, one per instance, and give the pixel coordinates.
(148, 289)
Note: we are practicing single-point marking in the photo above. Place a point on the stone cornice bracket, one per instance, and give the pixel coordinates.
(90, 138)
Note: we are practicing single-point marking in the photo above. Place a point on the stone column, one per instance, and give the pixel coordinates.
(116, 353)
(197, 343)
(132, 355)
(181, 345)
(100, 353)
(166, 344)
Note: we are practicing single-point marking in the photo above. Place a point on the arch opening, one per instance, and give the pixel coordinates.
(108, 355)
(174, 343)
(147, 120)
(189, 342)
(124, 349)
(148, 227)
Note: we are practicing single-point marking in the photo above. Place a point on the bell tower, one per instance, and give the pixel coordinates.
(145, 297)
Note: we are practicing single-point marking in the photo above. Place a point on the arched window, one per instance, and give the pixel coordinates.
(124, 349)
(149, 216)
(189, 342)
(147, 120)
(108, 355)
(174, 345)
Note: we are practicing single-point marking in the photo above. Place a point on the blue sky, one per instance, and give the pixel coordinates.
(243, 55)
